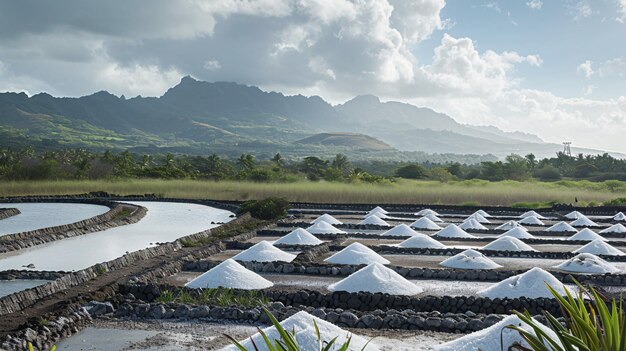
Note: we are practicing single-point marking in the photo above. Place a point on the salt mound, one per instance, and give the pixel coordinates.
(263, 251)
(356, 253)
(531, 214)
(508, 225)
(574, 215)
(495, 338)
(326, 218)
(518, 232)
(378, 209)
(531, 221)
(620, 217)
(470, 259)
(586, 234)
(422, 241)
(615, 228)
(453, 231)
(232, 275)
(324, 228)
(377, 214)
(531, 284)
(587, 263)
(433, 218)
(376, 278)
(425, 223)
(298, 236)
(478, 217)
(483, 213)
(426, 211)
(561, 227)
(374, 220)
(472, 223)
(508, 243)
(400, 230)
(599, 247)
(584, 222)
(306, 336)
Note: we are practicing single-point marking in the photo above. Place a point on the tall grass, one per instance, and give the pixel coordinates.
(403, 191)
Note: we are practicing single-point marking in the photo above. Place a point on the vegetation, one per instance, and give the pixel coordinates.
(223, 232)
(222, 297)
(271, 208)
(591, 326)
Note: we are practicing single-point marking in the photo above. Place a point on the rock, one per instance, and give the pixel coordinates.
(156, 312)
(200, 312)
(349, 319)
(182, 311)
(95, 308)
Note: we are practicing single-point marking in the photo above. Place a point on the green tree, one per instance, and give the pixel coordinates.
(412, 171)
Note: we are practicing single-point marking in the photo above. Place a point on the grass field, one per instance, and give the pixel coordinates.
(403, 191)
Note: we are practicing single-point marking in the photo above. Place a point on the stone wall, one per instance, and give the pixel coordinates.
(29, 275)
(8, 212)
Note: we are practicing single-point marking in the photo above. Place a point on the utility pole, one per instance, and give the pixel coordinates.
(566, 148)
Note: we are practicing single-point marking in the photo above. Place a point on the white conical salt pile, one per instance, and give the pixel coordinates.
(322, 227)
(298, 236)
(304, 326)
(400, 230)
(587, 263)
(574, 215)
(425, 223)
(378, 209)
(422, 241)
(470, 259)
(586, 234)
(472, 223)
(374, 220)
(517, 232)
(584, 222)
(507, 243)
(561, 227)
(496, 337)
(263, 251)
(376, 278)
(453, 231)
(356, 253)
(599, 247)
(480, 218)
(232, 275)
(620, 217)
(531, 284)
(377, 214)
(508, 225)
(426, 211)
(433, 218)
(483, 213)
(531, 221)
(326, 218)
(615, 228)
(531, 214)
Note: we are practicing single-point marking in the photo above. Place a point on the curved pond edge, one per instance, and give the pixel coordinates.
(8, 212)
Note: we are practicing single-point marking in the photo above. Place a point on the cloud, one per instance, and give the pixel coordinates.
(212, 65)
(535, 4)
(585, 69)
(582, 9)
(613, 68)
(621, 4)
(589, 89)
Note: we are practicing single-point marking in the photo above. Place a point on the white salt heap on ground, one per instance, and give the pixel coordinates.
(324, 228)
(374, 220)
(508, 225)
(453, 231)
(232, 275)
(470, 259)
(298, 236)
(561, 227)
(306, 336)
(517, 232)
(599, 247)
(483, 213)
(378, 209)
(263, 251)
(587, 263)
(615, 228)
(326, 218)
(495, 338)
(422, 241)
(478, 217)
(531, 221)
(584, 222)
(426, 211)
(356, 253)
(620, 217)
(377, 214)
(531, 284)
(425, 223)
(586, 234)
(574, 215)
(400, 230)
(507, 243)
(531, 214)
(376, 278)
(433, 218)
(472, 223)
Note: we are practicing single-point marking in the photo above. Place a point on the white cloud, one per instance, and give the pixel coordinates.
(535, 4)
(586, 69)
(212, 65)
(138, 79)
(621, 5)
(613, 68)
(581, 10)
(589, 89)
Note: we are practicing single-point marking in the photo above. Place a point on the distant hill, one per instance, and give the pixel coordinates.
(351, 140)
(199, 117)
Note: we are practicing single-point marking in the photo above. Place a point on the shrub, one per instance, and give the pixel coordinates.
(548, 172)
(269, 209)
(620, 201)
(413, 171)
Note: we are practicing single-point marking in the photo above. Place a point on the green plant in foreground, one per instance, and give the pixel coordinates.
(589, 326)
(288, 342)
(31, 348)
(222, 297)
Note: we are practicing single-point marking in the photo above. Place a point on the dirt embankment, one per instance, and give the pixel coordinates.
(8, 212)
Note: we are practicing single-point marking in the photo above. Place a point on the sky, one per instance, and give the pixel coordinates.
(556, 69)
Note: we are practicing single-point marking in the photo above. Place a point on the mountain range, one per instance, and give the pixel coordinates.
(201, 117)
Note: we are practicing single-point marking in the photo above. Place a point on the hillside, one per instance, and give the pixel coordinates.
(351, 140)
